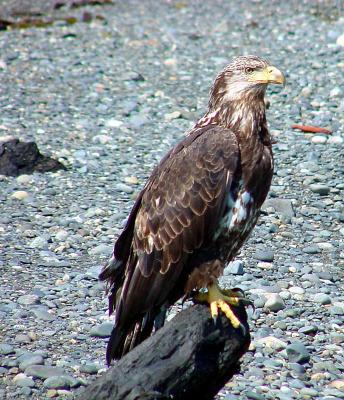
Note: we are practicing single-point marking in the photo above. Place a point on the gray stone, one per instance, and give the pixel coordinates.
(6, 349)
(22, 338)
(122, 187)
(308, 329)
(311, 249)
(23, 381)
(101, 249)
(89, 368)
(323, 190)
(309, 392)
(28, 299)
(322, 298)
(283, 207)
(264, 255)
(254, 395)
(297, 353)
(274, 302)
(60, 382)
(39, 242)
(43, 314)
(43, 371)
(103, 330)
(235, 267)
(29, 359)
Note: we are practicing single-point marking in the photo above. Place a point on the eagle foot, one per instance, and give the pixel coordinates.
(220, 299)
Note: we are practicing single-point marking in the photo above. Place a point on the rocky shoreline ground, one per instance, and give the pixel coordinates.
(108, 96)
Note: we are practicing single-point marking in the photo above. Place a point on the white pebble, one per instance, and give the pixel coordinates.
(340, 40)
(319, 139)
(102, 139)
(113, 123)
(271, 342)
(325, 246)
(24, 179)
(61, 235)
(274, 302)
(20, 195)
(335, 92)
(296, 290)
(335, 140)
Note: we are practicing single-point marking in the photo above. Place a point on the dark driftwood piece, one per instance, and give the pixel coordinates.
(18, 158)
(191, 357)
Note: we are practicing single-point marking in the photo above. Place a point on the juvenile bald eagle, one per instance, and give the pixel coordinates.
(196, 209)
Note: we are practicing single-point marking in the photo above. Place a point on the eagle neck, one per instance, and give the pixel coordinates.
(245, 117)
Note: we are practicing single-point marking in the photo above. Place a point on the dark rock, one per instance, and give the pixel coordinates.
(18, 158)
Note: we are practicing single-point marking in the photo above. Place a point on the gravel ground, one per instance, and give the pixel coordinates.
(109, 98)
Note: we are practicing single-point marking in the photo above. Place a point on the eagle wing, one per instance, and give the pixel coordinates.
(176, 213)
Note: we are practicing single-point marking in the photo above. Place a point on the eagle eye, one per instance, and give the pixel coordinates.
(249, 70)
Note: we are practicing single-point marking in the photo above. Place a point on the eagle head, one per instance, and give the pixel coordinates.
(245, 77)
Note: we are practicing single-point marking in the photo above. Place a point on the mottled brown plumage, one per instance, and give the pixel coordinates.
(197, 208)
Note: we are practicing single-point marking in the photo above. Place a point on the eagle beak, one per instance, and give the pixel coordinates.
(270, 74)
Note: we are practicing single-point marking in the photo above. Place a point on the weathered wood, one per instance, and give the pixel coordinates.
(191, 357)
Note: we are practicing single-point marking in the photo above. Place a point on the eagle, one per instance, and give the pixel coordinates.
(195, 211)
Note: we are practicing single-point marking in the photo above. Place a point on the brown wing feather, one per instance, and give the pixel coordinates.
(181, 205)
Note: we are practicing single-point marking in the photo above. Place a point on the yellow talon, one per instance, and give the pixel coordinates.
(222, 300)
(213, 309)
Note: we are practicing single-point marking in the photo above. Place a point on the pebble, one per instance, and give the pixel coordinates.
(43, 314)
(271, 342)
(60, 382)
(173, 115)
(39, 242)
(113, 123)
(24, 179)
(308, 329)
(318, 139)
(43, 371)
(235, 267)
(30, 359)
(340, 40)
(311, 249)
(297, 353)
(323, 190)
(274, 302)
(296, 290)
(122, 187)
(6, 349)
(103, 330)
(264, 255)
(322, 298)
(89, 368)
(23, 380)
(22, 338)
(337, 384)
(61, 235)
(101, 249)
(335, 140)
(20, 195)
(28, 299)
(283, 207)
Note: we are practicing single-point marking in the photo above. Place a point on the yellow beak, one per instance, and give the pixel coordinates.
(270, 74)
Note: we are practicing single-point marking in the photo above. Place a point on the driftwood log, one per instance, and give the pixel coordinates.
(191, 357)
